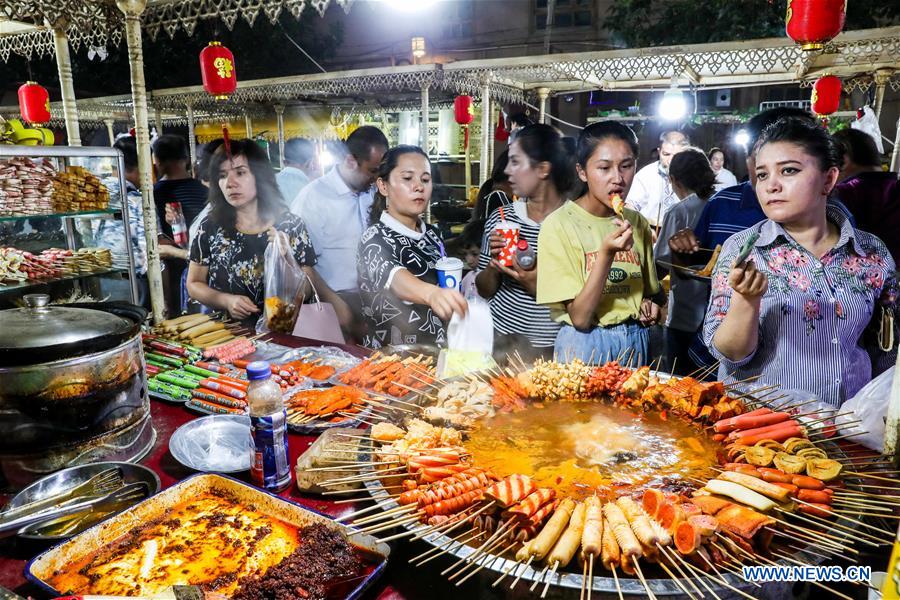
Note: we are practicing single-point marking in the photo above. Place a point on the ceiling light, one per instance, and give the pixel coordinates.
(673, 105)
(418, 47)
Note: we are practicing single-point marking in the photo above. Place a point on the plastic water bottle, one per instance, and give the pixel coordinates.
(525, 254)
(268, 424)
(179, 226)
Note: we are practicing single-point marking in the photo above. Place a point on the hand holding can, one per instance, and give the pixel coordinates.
(510, 233)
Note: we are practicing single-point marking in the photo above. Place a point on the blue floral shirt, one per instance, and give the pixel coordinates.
(814, 313)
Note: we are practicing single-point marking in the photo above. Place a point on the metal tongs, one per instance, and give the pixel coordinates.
(131, 491)
(98, 485)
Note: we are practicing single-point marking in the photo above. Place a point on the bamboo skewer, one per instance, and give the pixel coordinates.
(870, 476)
(675, 580)
(519, 576)
(680, 570)
(539, 578)
(448, 527)
(472, 559)
(512, 567)
(616, 581)
(691, 567)
(821, 533)
(478, 551)
(386, 515)
(549, 576)
(492, 561)
(722, 579)
(584, 576)
(637, 569)
(437, 551)
(486, 559)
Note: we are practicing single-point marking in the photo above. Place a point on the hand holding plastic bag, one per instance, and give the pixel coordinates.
(285, 284)
(867, 412)
(470, 341)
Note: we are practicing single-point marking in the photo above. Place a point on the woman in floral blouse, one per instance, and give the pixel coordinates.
(795, 311)
(246, 212)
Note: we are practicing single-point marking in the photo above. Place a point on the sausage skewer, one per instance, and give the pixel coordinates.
(591, 541)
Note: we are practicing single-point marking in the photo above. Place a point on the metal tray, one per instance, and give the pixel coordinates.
(56, 558)
(603, 585)
(71, 477)
(316, 427)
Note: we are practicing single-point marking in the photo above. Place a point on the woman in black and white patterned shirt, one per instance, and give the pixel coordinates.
(401, 300)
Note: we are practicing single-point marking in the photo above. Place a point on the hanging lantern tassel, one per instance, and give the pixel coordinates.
(813, 23)
(34, 103)
(226, 141)
(501, 134)
(826, 96)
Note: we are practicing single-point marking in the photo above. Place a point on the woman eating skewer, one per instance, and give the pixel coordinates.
(595, 264)
(794, 312)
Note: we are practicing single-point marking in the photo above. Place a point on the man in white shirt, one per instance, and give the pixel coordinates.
(300, 166)
(651, 192)
(335, 207)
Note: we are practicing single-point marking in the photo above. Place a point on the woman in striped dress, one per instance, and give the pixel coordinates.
(794, 312)
(540, 170)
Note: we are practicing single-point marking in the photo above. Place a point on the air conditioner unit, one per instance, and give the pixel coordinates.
(723, 98)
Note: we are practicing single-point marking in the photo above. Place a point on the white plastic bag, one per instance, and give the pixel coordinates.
(470, 341)
(869, 406)
(475, 331)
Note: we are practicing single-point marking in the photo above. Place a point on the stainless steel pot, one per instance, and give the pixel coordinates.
(73, 388)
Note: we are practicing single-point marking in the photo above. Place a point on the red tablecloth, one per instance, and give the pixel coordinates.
(398, 583)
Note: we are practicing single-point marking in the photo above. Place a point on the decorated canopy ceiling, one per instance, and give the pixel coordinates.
(99, 22)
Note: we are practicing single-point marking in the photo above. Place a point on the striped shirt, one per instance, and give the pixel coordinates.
(513, 309)
(814, 312)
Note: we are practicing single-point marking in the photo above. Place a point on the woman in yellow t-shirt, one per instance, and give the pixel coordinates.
(595, 268)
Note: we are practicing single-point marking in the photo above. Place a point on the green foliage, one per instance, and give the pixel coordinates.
(641, 23)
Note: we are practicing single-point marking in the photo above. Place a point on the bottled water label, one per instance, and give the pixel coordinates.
(271, 469)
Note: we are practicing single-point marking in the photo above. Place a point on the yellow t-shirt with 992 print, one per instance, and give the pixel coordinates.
(568, 246)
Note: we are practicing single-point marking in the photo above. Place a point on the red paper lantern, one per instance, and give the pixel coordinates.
(34, 103)
(826, 95)
(812, 23)
(464, 110)
(217, 68)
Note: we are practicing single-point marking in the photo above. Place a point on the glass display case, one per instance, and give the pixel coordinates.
(62, 228)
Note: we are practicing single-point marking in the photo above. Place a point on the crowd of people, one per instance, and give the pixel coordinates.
(800, 294)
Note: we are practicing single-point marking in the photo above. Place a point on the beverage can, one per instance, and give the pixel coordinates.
(449, 272)
(270, 467)
(510, 233)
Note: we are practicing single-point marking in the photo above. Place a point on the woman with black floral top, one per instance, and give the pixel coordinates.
(402, 302)
(246, 212)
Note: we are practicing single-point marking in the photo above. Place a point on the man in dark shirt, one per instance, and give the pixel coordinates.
(174, 185)
(174, 182)
(871, 194)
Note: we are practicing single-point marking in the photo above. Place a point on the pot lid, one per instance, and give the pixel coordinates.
(39, 325)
